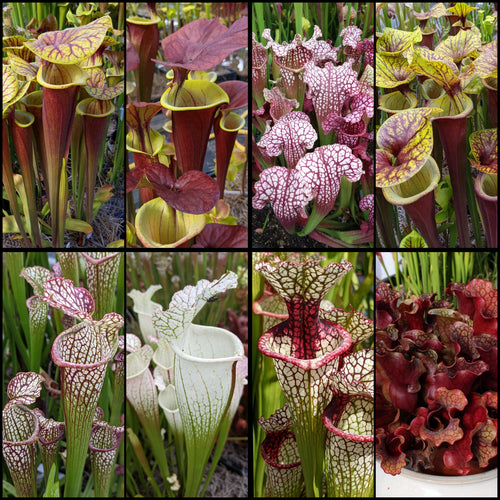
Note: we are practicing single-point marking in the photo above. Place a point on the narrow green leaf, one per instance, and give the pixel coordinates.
(52, 488)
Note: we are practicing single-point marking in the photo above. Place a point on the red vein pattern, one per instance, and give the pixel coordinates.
(279, 450)
(62, 294)
(20, 433)
(312, 355)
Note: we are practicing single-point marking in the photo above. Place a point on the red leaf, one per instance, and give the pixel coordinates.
(479, 300)
(132, 56)
(386, 311)
(193, 192)
(435, 423)
(479, 436)
(391, 447)
(222, 236)
(237, 92)
(402, 391)
(453, 428)
(203, 44)
(133, 178)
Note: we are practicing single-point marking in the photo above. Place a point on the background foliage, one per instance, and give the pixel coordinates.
(429, 272)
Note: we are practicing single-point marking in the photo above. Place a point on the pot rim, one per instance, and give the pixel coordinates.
(473, 478)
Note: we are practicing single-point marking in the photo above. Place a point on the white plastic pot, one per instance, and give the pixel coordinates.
(415, 484)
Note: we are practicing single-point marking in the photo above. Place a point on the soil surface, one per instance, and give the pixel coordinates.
(230, 479)
(274, 236)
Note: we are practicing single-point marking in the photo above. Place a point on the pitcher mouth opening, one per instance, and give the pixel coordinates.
(61, 360)
(306, 364)
(235, 351)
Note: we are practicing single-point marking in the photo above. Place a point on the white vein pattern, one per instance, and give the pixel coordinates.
(82, 352)
(329, 87)
(48, 440)
(144, 307)
(102, 274)
(279, 450)
(288, 192)
(324, 168)
(326, 385)
(141, 390)
(349, 446)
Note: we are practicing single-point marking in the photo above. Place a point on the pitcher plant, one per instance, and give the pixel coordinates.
(452, 74)
(170, 175)
(322, 373)
(81, 351)
(312, 110)
(40, 106)
(198, 379)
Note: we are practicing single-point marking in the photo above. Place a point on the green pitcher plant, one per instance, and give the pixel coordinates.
(21, 430)
(36, 276)
(48, 440)
(205, 356)
(103, 444)
(102, 275)
(142, 395)
(82, 353)
(144, 308)
(159, 225)
(280, 452)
